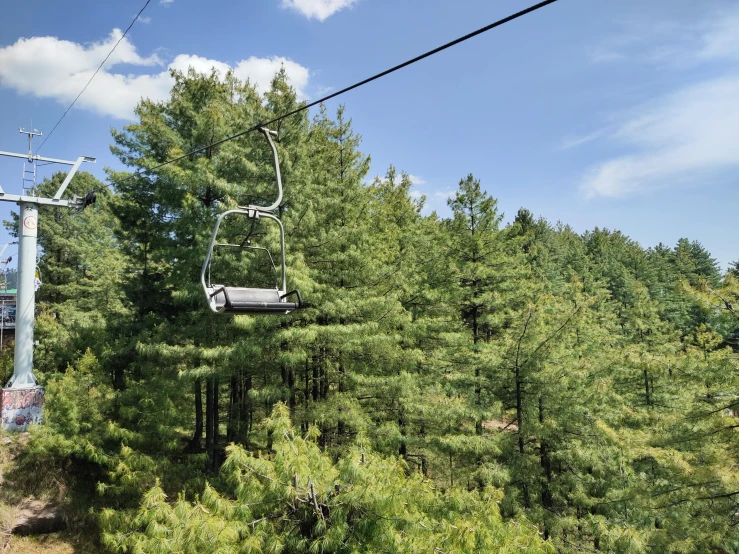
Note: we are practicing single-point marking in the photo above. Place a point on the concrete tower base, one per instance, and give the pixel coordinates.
(21, 407)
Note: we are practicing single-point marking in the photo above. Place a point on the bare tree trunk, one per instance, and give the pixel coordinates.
(546, 465)
(248, 408)
(209, 417)
(233, 410)
(197, 437)
(216, 424)
(478, 384)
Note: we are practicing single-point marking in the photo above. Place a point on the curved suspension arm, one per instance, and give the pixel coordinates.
(269, 134)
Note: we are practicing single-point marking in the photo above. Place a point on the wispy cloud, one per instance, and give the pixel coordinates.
(316, 9)
(688, 134)
(715, 37)
(721, 38)
(573, 141)
(321, 91)
(144, 19)
(604, 53)
(416, 180)
(47, 67)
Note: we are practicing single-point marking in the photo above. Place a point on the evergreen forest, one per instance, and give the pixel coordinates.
(454, 384)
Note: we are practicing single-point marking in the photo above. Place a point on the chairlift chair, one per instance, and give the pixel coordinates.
(226, 299)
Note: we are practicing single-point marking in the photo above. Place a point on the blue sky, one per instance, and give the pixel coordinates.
(619, 114)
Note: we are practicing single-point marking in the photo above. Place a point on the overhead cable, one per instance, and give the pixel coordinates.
(93, 75)
(347, 89)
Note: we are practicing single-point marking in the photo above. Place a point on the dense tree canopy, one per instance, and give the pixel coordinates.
(454, 384)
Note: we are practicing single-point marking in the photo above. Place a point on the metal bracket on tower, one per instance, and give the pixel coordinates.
(57, 199)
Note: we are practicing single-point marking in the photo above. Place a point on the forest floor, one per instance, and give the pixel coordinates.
(52, 543)
(12, 493)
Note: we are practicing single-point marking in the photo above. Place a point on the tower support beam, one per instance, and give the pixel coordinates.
(22, 398)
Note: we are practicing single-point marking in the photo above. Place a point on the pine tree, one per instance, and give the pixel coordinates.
(175, 210)
(487, 274)
(300, 500)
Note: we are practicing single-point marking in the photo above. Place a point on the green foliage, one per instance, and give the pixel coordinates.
(450, 379)
(297, 499)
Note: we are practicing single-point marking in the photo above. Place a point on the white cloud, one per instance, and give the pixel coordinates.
(166, 2)
(260, 72)
(144, 19)
(689, 134)
(416, 180)
(318, 9)
(202, 65)
(47, 67)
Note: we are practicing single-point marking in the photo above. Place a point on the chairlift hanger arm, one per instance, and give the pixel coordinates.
(269, 134)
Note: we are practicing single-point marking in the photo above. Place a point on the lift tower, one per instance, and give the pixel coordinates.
(22, 397)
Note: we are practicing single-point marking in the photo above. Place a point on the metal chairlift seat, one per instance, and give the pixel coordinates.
(249, 300)
(224, 299)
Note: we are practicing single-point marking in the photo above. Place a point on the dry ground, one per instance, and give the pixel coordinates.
(52, 543)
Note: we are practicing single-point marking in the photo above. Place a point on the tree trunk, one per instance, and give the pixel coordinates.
(519, 410)
(306, 391)
(546, 465)
(216, 422)
(248, 408)
(647, 392)
(403, 450)
(478, 385)
(197, 437)
(341, 425)
(233, 410)
(291, 387)
(519, 417)
(209, 417)
(314, 392)
(119, 377)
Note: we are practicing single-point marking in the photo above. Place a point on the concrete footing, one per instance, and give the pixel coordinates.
(21, 407)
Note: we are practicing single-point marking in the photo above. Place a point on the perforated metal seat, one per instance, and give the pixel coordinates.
(244, 300)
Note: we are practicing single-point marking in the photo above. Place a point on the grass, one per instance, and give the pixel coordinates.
(12, 491)
(53, 543)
